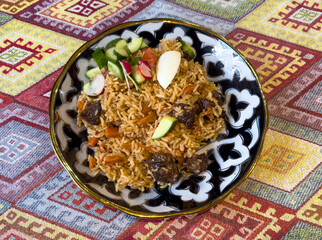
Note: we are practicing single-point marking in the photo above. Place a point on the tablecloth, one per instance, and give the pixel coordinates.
(281, 199)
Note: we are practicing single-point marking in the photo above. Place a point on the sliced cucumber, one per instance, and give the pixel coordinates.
(114, 42)
(136, 60)
(99, 58)
(165, 126)
(116, 69)
(121, 53)
(190, 50)
(135, 44)
(109, 53)
(92, 72)
(121, 44)
(144, 45)
(138, 77)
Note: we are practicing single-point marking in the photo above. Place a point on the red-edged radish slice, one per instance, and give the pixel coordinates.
(127, 66)
(145, 69)
(167, 67)
(95, 87)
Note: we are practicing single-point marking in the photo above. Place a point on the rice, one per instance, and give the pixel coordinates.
(123, 106)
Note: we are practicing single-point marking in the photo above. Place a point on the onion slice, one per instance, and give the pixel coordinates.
(145, 69)
(95, 87)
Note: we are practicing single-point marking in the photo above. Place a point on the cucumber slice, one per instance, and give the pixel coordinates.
(165, 126)
(92, 72)
(190, 50)
(113, 42)
(137, 75)
(144, 45)
(121, 44)
(109, 53)
(99, 58)
(135, 44)
(116, 69)
(121, 53)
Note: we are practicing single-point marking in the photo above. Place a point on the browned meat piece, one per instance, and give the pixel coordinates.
(203, 104)
(163, 167)
(92, 113)
(188, 117)
(218, 96)
(197, 163)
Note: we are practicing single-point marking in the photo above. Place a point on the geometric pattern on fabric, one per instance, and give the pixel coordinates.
(240, 216)
(231, 10)
(21, 146)
(28, 53)
(12, 190)
(163, 9)
(294, 199)
(21, 113)
(19, 224)
(4, 205)
(277, 63)
(285, 167)
(70, 195)
(79, 18)
(4, 18)
(305, 231)
(299, 22)
(38, 94)
(311, 211)
(5, 99)
(311, 99)
(68, 205)
(291, 103)
(15, 6)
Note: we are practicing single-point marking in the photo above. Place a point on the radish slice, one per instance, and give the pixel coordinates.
(145, 69)
(95, 87)
(167, 67)
(126, 66)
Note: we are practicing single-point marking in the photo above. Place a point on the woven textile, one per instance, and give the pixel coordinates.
(281, 199)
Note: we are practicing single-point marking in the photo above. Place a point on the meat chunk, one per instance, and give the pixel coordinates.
(218, 96)
(92, 113)
(203, 104)
(188, 116)
(163, 167)
(196, 164)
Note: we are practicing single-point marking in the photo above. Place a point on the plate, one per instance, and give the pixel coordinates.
(233, 155)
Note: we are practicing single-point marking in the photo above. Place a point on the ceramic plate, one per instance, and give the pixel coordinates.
(233, 155)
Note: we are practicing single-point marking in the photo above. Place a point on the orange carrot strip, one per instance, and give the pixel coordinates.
(80, 105)
(188, 89)
(112, 132)
(180, 160)
(146, 110)
(102, 148)
(113, 158)
(149, 118)
(92, 141)
(91, 161)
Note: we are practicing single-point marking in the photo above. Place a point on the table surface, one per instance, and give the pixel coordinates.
(281, 199)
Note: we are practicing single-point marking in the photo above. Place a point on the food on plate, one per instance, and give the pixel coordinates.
(147, 111)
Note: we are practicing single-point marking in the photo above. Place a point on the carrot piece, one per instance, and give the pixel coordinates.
(149, 118)
(146, 110)
(113, 158)
(92, 141)
(102, 148)
(188, 89)
(180, 160)
(80, 105)
(92, 162)
(112, 132)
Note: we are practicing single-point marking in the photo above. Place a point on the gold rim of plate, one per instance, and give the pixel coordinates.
(94, 195)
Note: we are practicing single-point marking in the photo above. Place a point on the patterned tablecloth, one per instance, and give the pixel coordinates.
(282, 198)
